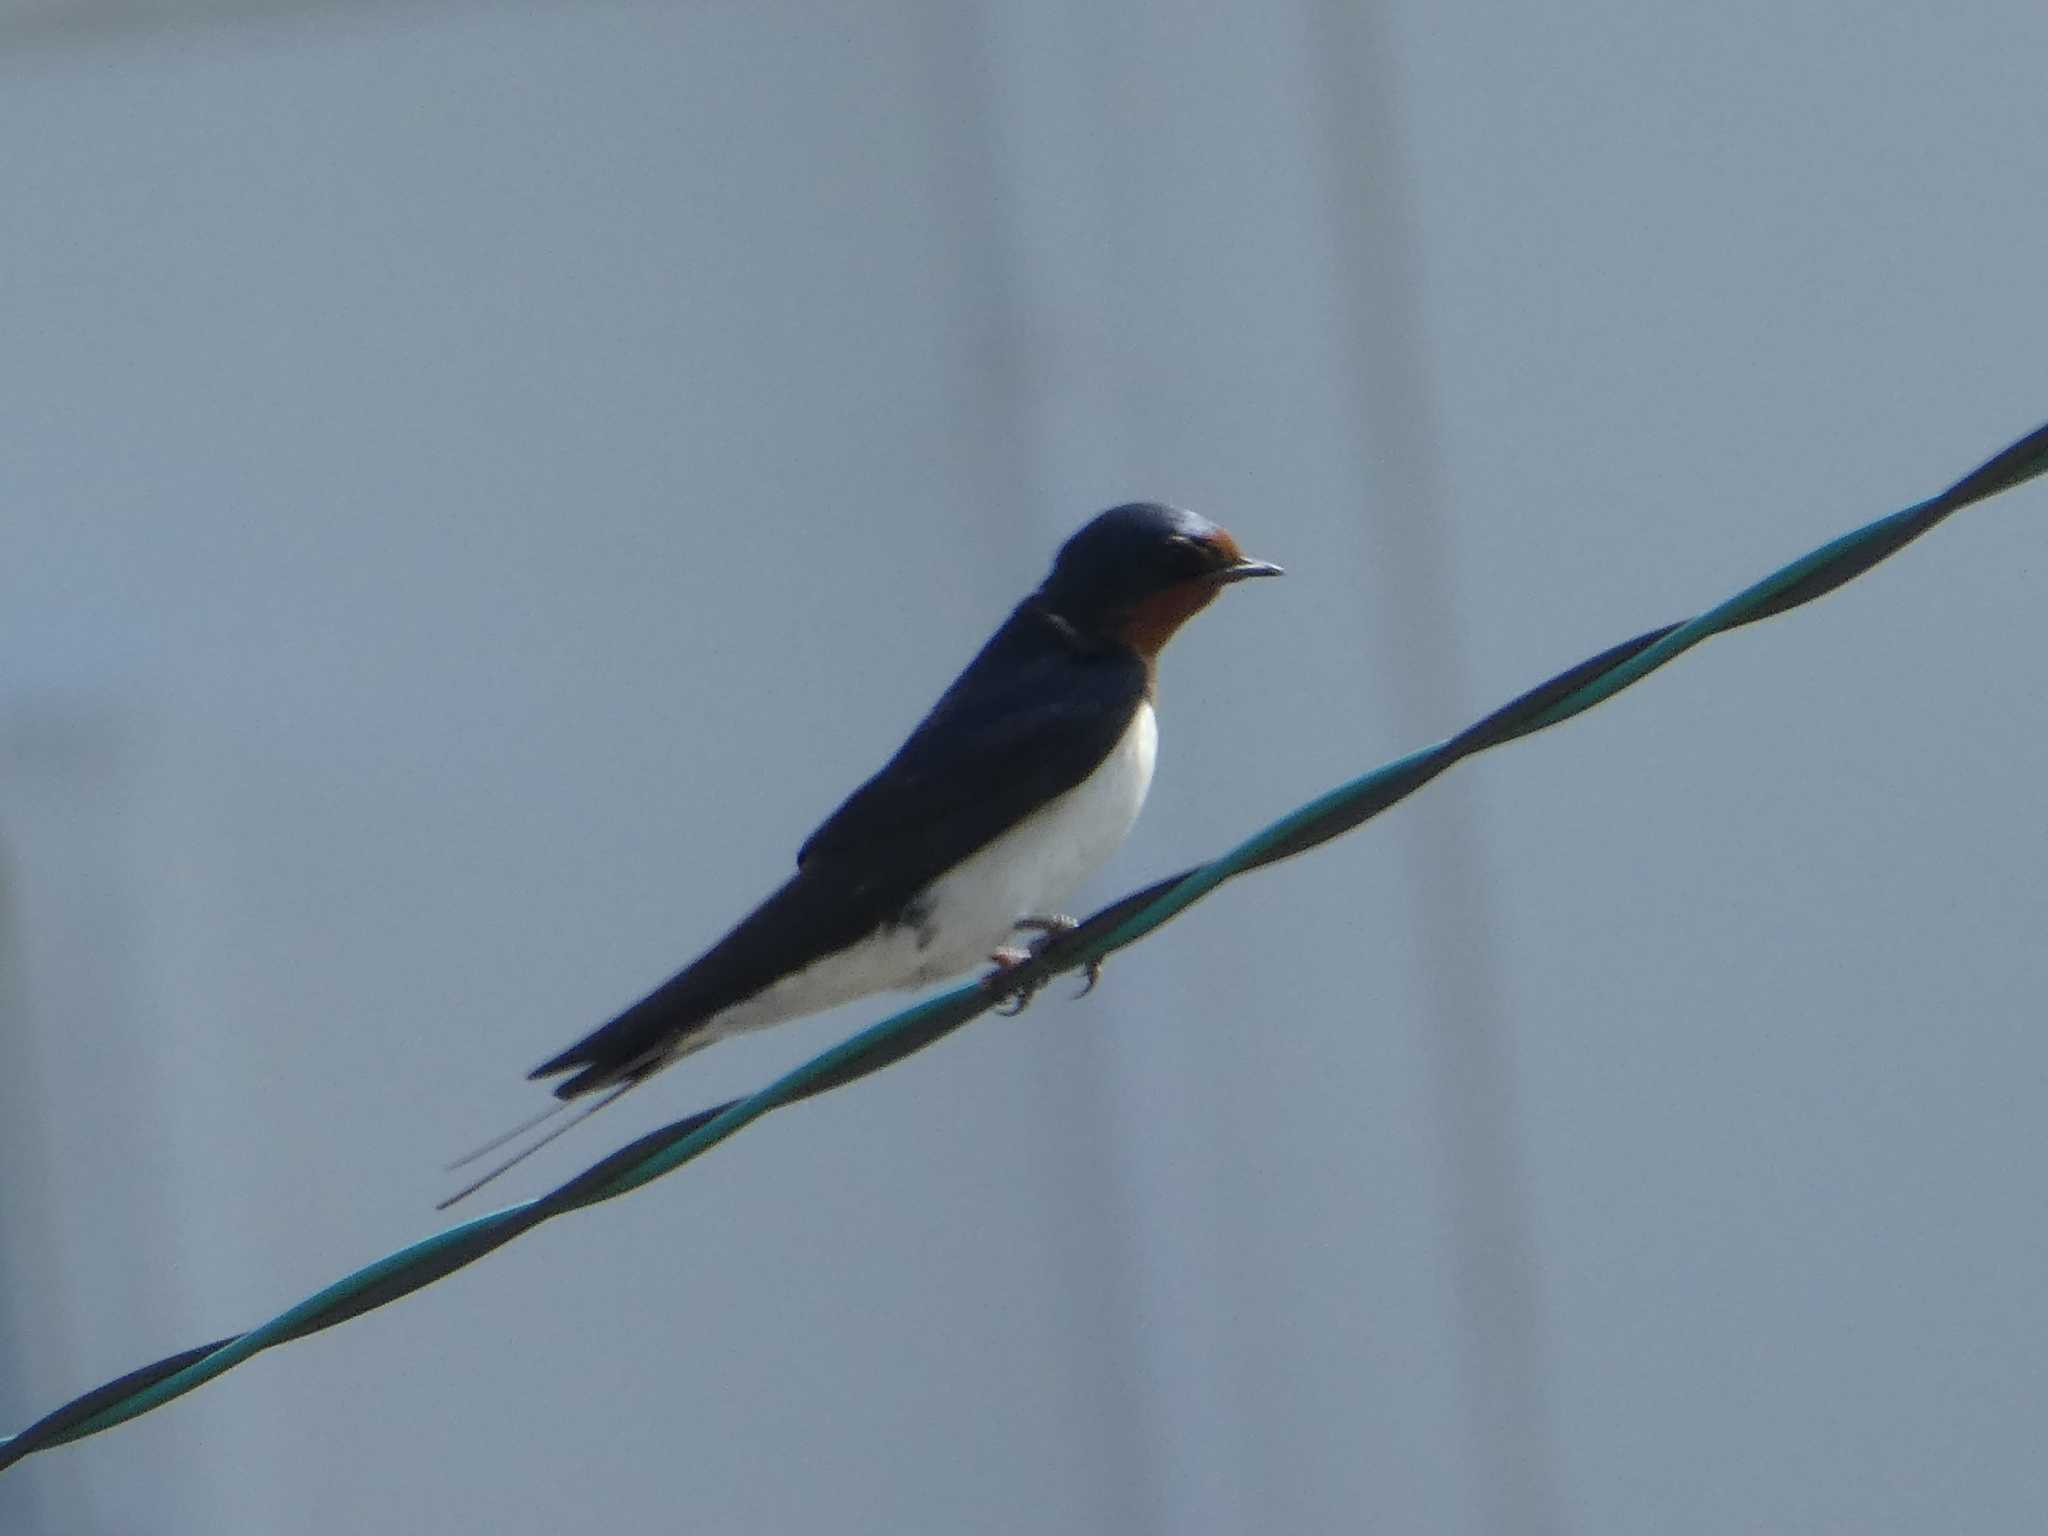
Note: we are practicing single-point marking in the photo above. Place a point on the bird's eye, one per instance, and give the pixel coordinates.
(1190, 553)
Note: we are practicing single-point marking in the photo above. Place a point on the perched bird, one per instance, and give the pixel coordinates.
(1022, 780)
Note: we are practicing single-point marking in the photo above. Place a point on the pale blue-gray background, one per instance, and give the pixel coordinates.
(478, 482)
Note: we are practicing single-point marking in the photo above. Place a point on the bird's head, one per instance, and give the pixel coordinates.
(1136, 573)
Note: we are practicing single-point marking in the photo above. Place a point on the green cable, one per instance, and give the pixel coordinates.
(1122, 923)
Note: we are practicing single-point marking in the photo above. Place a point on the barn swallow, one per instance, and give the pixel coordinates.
(1022, 780)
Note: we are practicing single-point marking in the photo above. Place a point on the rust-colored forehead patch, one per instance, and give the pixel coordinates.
(1224, 545)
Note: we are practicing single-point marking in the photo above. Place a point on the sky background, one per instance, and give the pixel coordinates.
(479, 483)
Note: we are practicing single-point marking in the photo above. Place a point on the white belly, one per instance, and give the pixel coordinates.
(1032, 870)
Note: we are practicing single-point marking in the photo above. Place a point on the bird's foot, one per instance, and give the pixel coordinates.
(1050, 928)
(1009, 956)
(1005, 960)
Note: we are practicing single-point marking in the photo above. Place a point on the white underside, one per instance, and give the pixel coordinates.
(1032, 870)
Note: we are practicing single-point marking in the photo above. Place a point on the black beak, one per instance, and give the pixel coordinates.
(1245, 569)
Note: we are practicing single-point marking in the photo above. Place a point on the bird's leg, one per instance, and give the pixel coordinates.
(1005, 960)
(1009, 956)
(1050, 928)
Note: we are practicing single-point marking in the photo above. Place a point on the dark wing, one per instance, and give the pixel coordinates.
(803, 921)
(1028, 720)
(994, 750)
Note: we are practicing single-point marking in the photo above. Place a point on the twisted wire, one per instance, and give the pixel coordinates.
(1117, 925)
